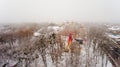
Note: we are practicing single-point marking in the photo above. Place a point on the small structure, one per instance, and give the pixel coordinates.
(80, 41)
(36, 34)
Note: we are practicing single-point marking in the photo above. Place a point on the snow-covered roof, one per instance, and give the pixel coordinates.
(36, 34)
(55, 28)
(114, 28)
(114, 36)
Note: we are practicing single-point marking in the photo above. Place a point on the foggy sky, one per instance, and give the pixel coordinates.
(59, 10)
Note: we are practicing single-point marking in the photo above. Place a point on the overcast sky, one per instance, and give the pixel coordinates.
(59, 10)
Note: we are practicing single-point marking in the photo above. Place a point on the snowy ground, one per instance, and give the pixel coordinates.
(81, 56)
(87, 57)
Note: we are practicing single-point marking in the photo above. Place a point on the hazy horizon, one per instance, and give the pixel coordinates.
(59, 10)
